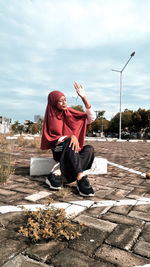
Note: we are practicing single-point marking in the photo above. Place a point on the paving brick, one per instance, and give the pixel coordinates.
(135, 181)
(139, 215)
(8, 219)
(147, 227)
(142, 248)
(123, 186)
(122, 219)
(102, 225)
(146, 208)
(137, 192)
(88, 241)
(20, 179)
(100, 194)
(146, 182)
(14, 198)
(5, 192)
(9, 248)
(71, 258)
(26, 190)
(23, 261)
(12, 185)
(96, 212)
(45, 251)
(124, 210)
(117, 194)
(123, 236)
(145, 236)
(6, 234)
(120, 257)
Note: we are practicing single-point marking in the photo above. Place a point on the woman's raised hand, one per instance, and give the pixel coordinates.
(79, 89)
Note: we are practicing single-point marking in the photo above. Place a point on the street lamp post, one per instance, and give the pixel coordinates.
(121, 71)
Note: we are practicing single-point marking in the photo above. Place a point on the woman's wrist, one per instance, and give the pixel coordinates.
(86, 103)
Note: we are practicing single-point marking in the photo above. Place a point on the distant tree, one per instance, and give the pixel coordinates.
(100, 114)
(78, 107)
(89, 128)
(145, 117)
(96, 126)
(27, 126)
(104, 125)
(33, 128)
(114, 124)
(40, 125)
(126, 119)
(15, 127)
(100, 124)
(136, 122)
(20, 129)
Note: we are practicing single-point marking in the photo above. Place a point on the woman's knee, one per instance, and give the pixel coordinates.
(89, 148)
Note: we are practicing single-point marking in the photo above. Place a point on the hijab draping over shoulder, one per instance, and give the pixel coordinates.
(59, 123)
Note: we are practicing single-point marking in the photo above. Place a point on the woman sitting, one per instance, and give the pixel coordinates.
(64, 131)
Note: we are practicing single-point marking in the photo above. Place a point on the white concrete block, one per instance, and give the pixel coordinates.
(74, 210)
(126, 202)
(110, 139)
(42, 166)
(28, 137)
(104, 203)
(135, 140)
(60, 205)
(11, 137)
(84, 203)
(121, 140)
(99, 166)
(37, 196)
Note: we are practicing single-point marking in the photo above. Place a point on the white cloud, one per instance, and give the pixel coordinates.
(46, 45)
(72, 24)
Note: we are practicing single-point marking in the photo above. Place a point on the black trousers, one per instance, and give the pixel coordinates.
(72, 163)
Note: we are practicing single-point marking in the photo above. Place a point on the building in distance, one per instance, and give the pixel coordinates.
(37, 118)
(5, 125)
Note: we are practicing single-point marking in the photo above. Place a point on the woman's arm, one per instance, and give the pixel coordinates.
(81, 92)
(91, 116)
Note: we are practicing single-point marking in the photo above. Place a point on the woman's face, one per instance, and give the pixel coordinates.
(62, 103)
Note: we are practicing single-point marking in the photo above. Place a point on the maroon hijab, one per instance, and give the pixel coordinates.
(59, 123)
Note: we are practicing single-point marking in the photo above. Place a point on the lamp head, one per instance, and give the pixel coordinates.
(133, 53)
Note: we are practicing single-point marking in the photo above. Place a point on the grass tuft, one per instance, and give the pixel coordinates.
(49, 223)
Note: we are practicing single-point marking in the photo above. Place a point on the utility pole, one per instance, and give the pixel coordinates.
(121, 71)
(97, 112)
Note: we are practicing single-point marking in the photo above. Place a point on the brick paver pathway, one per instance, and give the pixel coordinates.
(118, 219)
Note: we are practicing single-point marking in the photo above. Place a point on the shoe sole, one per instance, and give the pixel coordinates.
(52, 187)
(84, 195)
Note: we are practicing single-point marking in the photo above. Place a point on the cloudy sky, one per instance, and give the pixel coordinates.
(46, 45)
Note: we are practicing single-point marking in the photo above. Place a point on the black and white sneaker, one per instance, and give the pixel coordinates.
(54, 181)
(84, 187)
